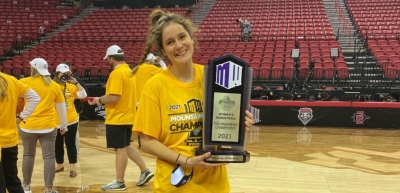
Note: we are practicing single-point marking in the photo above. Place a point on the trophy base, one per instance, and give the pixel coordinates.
(225, 156)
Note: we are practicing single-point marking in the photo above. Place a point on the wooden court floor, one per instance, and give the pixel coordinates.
(283, 159)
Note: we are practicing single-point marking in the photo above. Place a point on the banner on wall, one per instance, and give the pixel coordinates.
(330, 116)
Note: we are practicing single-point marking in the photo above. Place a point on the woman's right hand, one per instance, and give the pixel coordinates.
(198, 161)
(63, 130)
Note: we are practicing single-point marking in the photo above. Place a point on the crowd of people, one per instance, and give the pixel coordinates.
(136, 100)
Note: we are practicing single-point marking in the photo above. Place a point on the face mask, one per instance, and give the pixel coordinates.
(178, 177)
(64, 78)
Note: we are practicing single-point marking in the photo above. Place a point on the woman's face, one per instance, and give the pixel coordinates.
(177, 44)
(66, 73)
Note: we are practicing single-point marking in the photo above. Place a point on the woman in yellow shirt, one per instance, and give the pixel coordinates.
(143, 72)
(41, 125)
(71, 90)
(10, 90)
(2, 181)
(166, 98)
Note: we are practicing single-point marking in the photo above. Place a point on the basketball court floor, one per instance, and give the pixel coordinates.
(283, 159)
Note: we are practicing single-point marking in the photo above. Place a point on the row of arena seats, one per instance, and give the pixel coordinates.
(261, 3)
(94, 72)
(117, 15)
(319, 73)
(134, 22)
(80, 54)
(12, 4)
(252, 51)
(378, 24)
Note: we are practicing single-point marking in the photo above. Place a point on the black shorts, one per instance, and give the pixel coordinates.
(118, 136)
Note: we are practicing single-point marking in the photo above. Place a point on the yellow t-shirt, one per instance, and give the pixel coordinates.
(172, 112)
(144, 73)
(122, 83)
(70, 93)
(8, 106)
(43, 116)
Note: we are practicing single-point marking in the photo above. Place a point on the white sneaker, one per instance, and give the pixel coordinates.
(114, 185)
(145, 177)
(27, 189)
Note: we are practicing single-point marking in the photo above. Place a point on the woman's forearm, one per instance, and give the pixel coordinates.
(152, 146)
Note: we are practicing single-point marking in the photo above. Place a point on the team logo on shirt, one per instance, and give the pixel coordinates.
(193, 105)
(189, 121)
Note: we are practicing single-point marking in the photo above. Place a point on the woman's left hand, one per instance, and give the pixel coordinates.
(248, 120)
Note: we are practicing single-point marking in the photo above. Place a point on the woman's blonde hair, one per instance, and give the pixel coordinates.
(55, 78)
(3, 87)
(158, 19)
(35, 73)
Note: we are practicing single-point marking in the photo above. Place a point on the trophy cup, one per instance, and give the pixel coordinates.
(227, 95)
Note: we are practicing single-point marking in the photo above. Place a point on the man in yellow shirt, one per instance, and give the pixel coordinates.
(10, 90)
(120, 106)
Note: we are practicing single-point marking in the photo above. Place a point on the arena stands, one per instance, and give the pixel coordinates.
(84, 43)
(378, 23)
(23, 21)
(277, 28)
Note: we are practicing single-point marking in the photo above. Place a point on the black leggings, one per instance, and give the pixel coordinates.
(9, 175)
(69, 137)
(2, 180)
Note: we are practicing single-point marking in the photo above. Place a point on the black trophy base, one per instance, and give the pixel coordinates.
(225, 156)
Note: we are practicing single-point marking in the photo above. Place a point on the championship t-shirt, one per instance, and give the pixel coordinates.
(172, 112)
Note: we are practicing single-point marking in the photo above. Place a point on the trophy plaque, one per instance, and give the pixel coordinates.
(227, 95)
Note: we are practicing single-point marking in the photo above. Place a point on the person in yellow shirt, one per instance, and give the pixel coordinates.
(41, 125)
(71, 90)
(2, 180)
(171, 108)
(10, 90)
(120, 106)
(143, 72)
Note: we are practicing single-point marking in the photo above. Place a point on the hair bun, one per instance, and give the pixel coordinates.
(155, 16)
